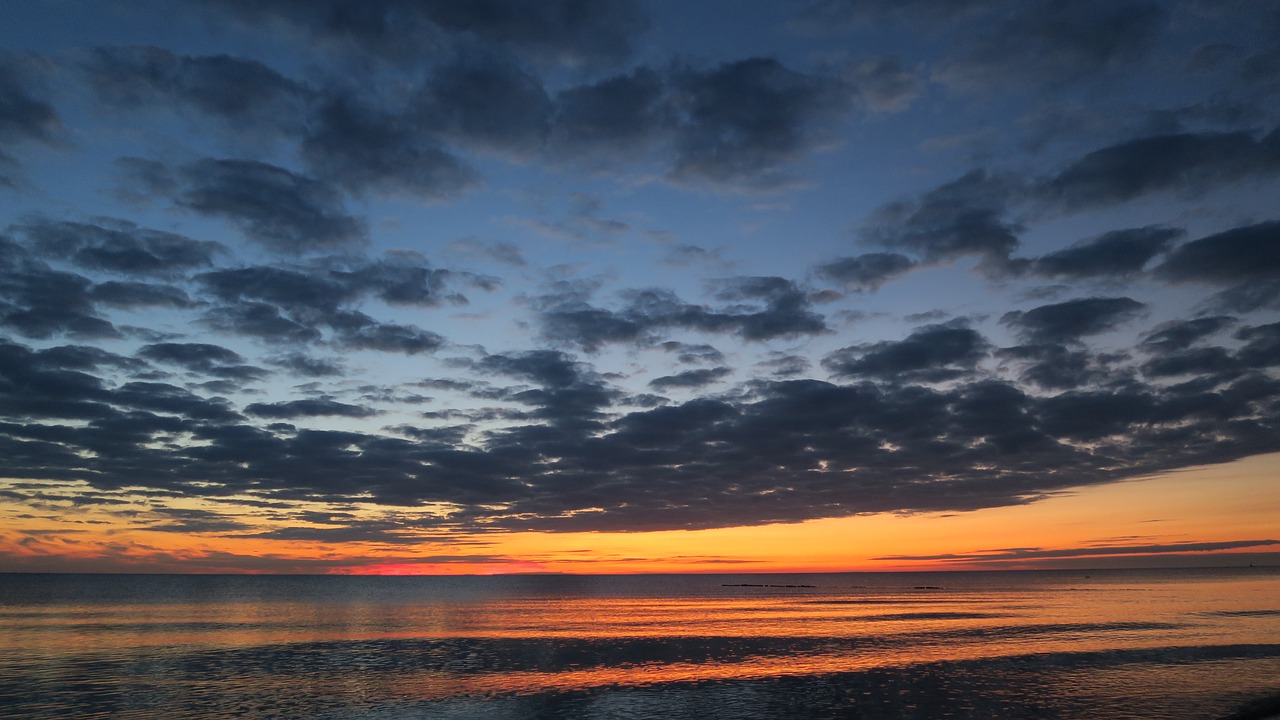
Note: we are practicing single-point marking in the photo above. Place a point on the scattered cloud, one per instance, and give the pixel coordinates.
(1114, 253)
(933, 353)
(239, 266)
(1069, 321)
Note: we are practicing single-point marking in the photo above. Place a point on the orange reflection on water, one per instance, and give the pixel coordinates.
(825, 635)
(460, 646)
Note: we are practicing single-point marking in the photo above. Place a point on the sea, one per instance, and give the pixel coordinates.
(1180, 644)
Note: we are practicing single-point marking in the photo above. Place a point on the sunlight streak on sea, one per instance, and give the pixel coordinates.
(1052, 644)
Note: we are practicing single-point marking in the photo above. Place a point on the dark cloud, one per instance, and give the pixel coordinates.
(196, 356)
(1191, 361)
(476, 94)
(1262, 347)
(570, 394)
(344, 531)
(189, 520)
(1261, 68)
(934, 353)
(488, 102)
(1243, 253)
(690, 378)
(286, 287)
(390, 394)
(364, 149)
(566, 32)
(391, 337)
(202, 358)
(1188, 162)
(131, 295)
(786, 366)
(690, 354)
(620, 114)
(867, 271)
(170, 399)
(1115, 253)
(37, 301)
(24, 117)
(301, 304)
(11, 175)
(36, 390)
(1246, 297)
(1058, 367)
(120, 246)
(745, 120)
(1082, 415)
(449, 384)
(1055, 41)
(975, 214)
(259, 320)
(1245, 259)
(545, 367)
(86, 357)
(573, 321)
(470, 416)
(740, 123)
(274, 207)
(308, 366)
(568, 317)
(811, 433)
(1071, 320)
(786, 312)
(1020, 554)
(968, 216)
(243, 91)
(398, 279)
(843, 15)
(401, 278)
(1179, 334)
(783, 451)
(312, 407)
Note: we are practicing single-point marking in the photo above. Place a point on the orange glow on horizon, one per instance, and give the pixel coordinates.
(1211, 507)
(409, 568)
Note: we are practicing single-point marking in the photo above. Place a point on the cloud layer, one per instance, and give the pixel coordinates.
(511, 265)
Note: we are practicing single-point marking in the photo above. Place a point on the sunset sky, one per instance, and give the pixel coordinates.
(482, 286)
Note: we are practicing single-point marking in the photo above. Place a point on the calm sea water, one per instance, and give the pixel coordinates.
(1181, 644)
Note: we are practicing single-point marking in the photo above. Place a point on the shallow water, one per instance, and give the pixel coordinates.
(1168, 644)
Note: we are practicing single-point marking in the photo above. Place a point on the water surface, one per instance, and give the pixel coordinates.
(1180, 644)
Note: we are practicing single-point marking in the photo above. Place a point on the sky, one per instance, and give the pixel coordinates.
(595, 286)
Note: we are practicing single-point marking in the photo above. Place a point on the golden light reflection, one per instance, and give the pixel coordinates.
(458, 645)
